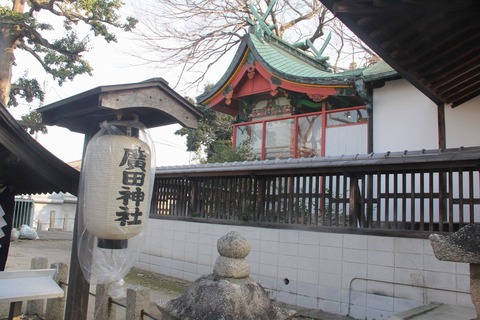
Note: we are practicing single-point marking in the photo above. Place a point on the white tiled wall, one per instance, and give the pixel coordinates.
(362, 276)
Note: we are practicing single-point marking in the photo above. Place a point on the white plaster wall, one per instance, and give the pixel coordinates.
(462, 124)
(403, 118)
(346, 140)
(63, 205)
(366, 277)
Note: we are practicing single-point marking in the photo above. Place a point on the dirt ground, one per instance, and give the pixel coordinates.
(56, 247)
(22, 251)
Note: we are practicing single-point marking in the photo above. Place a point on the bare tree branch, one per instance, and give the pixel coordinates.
(192, 35)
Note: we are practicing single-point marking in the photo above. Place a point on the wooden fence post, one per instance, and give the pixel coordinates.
(65, 221)
(52, 220)
(56, 306)
(138, 299)
(356, 221)
(103, 308)
(36, 306)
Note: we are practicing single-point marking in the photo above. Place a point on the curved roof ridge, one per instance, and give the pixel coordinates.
(237, 59)
(291, 64)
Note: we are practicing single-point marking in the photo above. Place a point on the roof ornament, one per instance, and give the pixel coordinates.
(363, 92)
(318, 53)
(260, 27)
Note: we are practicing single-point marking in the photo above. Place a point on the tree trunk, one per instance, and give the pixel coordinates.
(6, 62)
(7, 57)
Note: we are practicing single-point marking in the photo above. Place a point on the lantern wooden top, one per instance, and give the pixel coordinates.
(155, 103)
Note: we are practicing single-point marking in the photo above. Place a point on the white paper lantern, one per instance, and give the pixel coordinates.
(117, 173)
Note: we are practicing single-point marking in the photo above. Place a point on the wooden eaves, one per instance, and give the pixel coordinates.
(434, 44)
(26, 166)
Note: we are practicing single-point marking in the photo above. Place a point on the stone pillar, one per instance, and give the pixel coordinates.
(56, 306)
(36, 306)
(138, 300)
(103, 308)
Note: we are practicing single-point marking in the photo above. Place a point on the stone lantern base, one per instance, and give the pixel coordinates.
(212, 297)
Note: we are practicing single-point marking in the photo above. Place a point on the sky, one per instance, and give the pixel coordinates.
(111, 65)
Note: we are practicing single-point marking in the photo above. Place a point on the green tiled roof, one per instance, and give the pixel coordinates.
(379, 71)
(293, 64)
(289, 63)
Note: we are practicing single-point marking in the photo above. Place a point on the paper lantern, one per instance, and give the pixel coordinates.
(117, 174)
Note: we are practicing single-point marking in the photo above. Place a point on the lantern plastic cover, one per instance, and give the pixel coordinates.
(116, 184)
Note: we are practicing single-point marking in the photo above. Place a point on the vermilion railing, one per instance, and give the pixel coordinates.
(410, 191)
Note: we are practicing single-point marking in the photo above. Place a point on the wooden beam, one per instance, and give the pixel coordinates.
(441, 126)
(461, 89)
(403, 35)
(370, 142)
(465, 98)
(439, 44)
(461, 75)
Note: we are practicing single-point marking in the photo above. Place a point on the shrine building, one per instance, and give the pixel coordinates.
(289, 104)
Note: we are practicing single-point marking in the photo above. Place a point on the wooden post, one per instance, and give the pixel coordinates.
(369, 107)
(65, 221)
(194, 198)
(78, 292)
(36, 306)
(442, 176)
(103, 308)
(78, 288)
(15, 310)
(355, 211)
(442, 144)
(138, 300)
(260, 213)
(52, 220)
(56, 306)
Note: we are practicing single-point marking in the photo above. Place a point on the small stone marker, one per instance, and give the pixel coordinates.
(233, 249)
(462, 246)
